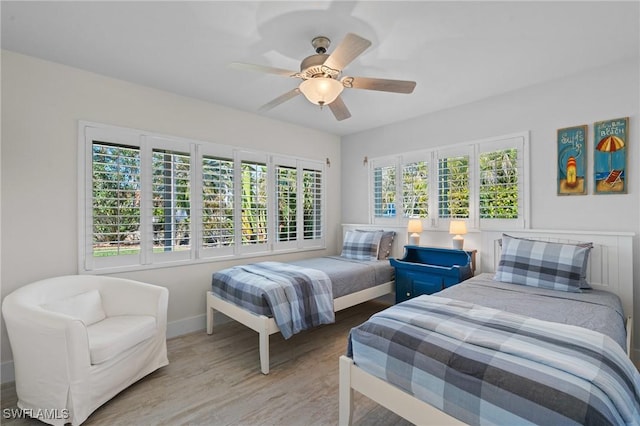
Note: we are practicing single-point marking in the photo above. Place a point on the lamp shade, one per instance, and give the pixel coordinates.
(321, 90)
(414, 226)
(457, 227)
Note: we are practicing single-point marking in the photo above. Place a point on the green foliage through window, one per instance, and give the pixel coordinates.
(384, 181)
(499, 184)
(254, 203)
(415, 189)
(116, 199)
(453, 187)
(218, 228)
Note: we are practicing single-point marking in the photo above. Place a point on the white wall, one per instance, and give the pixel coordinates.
(601, 94)
(41, 105)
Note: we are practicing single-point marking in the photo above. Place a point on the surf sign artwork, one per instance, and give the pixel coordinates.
(572, 154)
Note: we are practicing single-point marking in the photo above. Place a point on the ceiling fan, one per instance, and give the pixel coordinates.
(320, 74)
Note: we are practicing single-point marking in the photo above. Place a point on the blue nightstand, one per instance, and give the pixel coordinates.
(427, 270)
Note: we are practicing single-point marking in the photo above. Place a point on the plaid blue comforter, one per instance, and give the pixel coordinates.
(298, 298)
(486, 366)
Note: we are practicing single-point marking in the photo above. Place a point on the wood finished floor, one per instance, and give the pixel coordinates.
(216, 380)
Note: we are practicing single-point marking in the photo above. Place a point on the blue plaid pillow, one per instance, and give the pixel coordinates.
(543, 264)
(360, 245)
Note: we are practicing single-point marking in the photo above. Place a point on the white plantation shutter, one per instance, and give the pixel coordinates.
(501, 175)
(312, 214)
(254, 212)
(287, 203)
(415, 189)
(385, 189)
(484, 183)
(299, 203)
(148, 200)
(171, 207)
(115, 202)
(454, 183)
(218, 205)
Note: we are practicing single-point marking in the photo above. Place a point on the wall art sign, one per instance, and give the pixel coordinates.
(610, 156)
(572, 160)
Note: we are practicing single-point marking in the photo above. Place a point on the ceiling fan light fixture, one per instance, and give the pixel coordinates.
(321, 90)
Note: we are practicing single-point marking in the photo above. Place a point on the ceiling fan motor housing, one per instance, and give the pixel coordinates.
(313, 66)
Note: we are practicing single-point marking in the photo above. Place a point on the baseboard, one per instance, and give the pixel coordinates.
(186, 326)
(174, 329)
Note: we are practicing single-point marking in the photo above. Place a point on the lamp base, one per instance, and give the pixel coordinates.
(458, 242)
(414, 239)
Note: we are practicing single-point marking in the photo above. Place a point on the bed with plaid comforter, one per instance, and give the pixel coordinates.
(486, 366)
(298, 298)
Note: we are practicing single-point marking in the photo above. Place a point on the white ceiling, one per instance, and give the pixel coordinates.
(457, 52)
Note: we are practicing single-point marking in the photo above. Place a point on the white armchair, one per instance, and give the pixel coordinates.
(79, 340)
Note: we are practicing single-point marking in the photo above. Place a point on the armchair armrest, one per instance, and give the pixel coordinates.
(128, 297)
(48, 347)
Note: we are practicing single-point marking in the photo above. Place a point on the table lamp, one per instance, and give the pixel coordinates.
(414, 228)
(457, 228)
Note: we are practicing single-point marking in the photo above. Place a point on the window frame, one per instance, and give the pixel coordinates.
(473, 149)
(407, 160)
(520, 142)
(390, 162)
(146, 258)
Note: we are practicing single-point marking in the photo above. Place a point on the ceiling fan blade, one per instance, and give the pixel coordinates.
(280, 99)
(262, 68)
(339, 109)
(348, 49)
(383, 85)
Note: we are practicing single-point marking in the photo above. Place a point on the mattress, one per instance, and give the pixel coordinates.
(347, 276)
(592, 309)
(487, 352)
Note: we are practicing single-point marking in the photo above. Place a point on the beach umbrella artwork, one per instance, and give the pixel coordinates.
(610, 144)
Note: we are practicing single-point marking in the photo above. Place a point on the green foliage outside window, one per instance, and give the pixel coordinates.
(116, 199)
(254, 203)
(415, 190)
(453, 187)
(217, 202)
(499, 185)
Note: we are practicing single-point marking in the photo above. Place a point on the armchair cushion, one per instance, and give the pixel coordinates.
(87, 307)
(114, 335)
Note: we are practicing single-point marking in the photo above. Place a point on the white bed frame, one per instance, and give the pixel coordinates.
(266, 326)
(610, 268)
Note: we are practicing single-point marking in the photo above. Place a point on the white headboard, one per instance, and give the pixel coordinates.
(610, 261)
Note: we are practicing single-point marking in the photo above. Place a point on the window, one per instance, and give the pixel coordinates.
(415, 189)
(286, 190)
(148, 200)
(499, 184)
(453, 186)
(312, 205)
(482, 182)
(384, 189)
(171, 201)
(254, 203)
(115, 199)
(218, 203)
(299, 203)
(502, 193)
